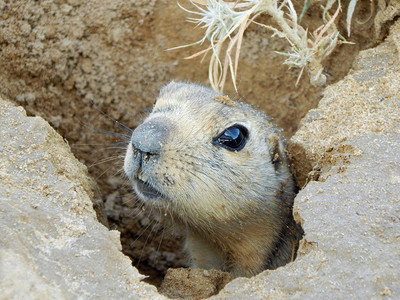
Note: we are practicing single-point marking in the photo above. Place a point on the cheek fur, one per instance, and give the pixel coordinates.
(129, 163)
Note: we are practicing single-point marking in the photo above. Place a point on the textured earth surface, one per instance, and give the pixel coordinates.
(52, 246)
(62, 60)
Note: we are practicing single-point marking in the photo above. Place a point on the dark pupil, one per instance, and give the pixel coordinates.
(232, 138)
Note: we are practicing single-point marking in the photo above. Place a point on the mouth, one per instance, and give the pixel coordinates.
(146, 190)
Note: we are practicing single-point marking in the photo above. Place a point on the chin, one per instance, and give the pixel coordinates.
(146, 192)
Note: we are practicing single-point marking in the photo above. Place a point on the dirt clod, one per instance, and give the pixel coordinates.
(186, 283)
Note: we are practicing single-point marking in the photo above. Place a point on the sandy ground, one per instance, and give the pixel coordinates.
(65, 60)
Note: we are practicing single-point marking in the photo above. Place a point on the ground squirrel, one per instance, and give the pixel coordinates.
(219, 170)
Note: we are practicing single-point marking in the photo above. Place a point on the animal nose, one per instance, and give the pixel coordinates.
(150, 136)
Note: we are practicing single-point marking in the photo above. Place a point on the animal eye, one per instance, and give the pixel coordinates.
(233, 138)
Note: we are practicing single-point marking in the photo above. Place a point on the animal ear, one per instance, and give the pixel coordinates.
(276, 151)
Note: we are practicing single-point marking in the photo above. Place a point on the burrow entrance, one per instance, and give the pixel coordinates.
(114, 60)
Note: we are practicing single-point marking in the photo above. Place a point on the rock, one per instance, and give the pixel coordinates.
(185, 283)
(51, 244)
(351, 215)
(366, 101)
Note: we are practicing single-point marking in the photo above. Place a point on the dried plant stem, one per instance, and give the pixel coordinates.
(226, 21)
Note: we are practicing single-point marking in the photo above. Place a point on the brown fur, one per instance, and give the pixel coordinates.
(235, 206)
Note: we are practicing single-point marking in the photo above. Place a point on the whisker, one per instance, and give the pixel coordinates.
(145, 243)
(104, 160)
(154, 92)
(140, 211)
(121, 146)
(111, 133)
(104, 172)
(142, 230)
(119, 171)
(119, 124)
(161, 239)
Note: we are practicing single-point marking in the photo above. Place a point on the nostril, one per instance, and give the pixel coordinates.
(146, 157)
(150, 136)
(143, 159)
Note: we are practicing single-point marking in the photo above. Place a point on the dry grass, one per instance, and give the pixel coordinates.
(226, 21)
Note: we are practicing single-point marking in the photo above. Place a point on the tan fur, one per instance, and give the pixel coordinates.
(234, 205)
